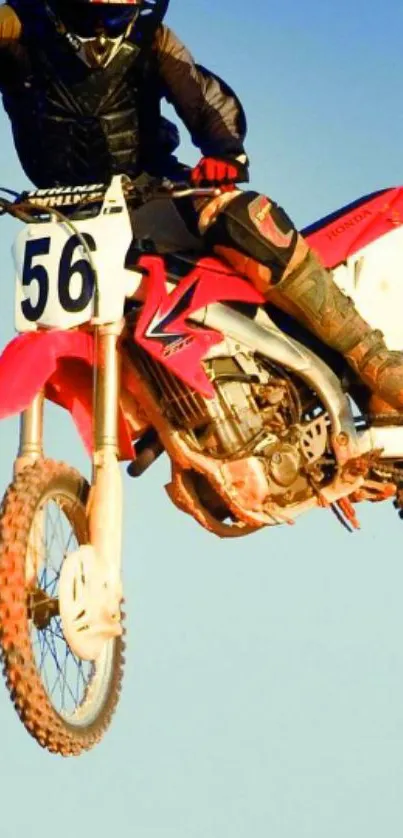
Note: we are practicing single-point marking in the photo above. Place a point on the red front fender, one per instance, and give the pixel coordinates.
(62, 364)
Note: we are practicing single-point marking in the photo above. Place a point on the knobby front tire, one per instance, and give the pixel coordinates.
(65, 703)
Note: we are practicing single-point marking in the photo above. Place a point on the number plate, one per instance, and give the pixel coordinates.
(55, 283)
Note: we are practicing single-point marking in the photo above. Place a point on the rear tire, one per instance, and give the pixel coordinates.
(30, 628)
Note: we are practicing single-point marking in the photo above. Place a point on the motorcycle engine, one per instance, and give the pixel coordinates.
(256, 412)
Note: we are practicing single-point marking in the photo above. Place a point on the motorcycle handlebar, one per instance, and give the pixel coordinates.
(25, 209)
(195, 192)
(168, 189)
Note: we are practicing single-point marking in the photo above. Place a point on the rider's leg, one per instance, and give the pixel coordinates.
(257, 238)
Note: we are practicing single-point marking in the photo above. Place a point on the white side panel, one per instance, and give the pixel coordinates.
(373, 277)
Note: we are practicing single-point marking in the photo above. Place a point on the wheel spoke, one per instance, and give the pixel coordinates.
(59, 525)
(69, 540)
(53, 650)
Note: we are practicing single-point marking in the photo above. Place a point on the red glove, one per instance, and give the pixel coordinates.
(213, 171)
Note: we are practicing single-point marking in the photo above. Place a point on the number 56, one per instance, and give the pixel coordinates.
(67, 269)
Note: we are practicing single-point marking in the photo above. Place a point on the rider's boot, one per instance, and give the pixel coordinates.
(317, 302)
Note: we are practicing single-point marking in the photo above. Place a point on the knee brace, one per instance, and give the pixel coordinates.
(259, 229)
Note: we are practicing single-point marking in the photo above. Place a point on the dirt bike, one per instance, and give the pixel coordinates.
(173, 353)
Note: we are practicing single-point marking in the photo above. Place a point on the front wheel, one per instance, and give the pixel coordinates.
(65, 703)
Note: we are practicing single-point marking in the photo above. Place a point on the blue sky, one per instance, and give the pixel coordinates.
(264, 685)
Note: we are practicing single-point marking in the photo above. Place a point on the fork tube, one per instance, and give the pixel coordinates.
(105, 506)
(31, 433)
(30, 450)
(107, 380)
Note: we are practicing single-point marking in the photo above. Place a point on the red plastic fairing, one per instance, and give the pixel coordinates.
(162, 329)
(340, 235)
(61, 362)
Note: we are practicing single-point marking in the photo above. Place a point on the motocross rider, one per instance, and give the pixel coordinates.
(82, 82)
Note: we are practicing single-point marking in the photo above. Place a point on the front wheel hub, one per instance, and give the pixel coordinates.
(42, 608)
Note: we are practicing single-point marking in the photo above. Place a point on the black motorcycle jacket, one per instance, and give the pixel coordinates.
(75, 125)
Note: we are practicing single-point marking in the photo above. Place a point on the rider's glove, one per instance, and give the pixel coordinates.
(223, 172)
(10, 26)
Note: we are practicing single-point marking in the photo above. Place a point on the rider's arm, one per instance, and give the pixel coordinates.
(209, 108)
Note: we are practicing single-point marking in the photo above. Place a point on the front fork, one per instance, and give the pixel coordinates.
(105, 501)
(90, 589)
(31, 434)
(106, 496)
(31, 449)
(92, 616)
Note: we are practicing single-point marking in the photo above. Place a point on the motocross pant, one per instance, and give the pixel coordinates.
(257, 238)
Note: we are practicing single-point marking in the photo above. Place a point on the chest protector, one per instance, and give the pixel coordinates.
(74, 125)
